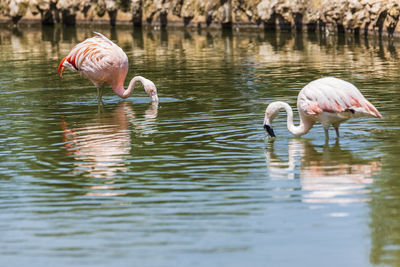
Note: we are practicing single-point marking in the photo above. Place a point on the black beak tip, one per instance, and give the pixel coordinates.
(269, 130)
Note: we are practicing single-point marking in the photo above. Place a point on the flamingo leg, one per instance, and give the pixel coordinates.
(336, 126)
(99, 93)
(337, 131)
(326, 133)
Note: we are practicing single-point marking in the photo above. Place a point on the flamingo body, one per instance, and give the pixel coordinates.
(329, 101)
(103, 62)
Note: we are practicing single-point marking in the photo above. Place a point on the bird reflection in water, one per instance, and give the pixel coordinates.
(333, 175)
(102, 145)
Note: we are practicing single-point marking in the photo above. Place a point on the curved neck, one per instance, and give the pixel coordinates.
(304, 126)
(121, 92)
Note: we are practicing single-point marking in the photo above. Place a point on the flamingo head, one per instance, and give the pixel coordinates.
(270, 113)
(150, 89)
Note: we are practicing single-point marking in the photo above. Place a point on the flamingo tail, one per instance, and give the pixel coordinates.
(372, 110)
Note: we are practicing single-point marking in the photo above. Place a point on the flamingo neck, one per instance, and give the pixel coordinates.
(121, 92)
(304, 126)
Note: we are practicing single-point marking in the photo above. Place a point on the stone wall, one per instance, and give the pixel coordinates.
(355, 16)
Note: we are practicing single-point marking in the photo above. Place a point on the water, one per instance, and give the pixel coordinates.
(193, 181)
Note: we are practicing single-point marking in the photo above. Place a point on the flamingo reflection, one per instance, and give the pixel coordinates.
(333, 175)
(102, 145)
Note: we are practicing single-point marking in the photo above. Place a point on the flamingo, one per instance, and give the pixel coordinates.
(104, 62)
(329, 101)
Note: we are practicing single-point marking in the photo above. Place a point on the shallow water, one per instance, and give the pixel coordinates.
(193, 181)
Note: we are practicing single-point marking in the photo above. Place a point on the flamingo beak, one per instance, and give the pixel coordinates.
(61, 71)
(269, 130)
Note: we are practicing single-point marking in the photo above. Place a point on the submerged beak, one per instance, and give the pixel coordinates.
(152, 92)
(154, 98)
(269, 130)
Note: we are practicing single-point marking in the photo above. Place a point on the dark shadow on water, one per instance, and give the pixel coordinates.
(298, 41)
(16, 31)
(69, 33)
(187, 35)
(113, 34)
(137, 35)
(51, 34)
(209, 38)
(164, 37)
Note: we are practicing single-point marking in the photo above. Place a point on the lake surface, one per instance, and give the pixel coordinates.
(193, 181)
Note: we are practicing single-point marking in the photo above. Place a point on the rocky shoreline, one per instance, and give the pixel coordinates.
(354, 16)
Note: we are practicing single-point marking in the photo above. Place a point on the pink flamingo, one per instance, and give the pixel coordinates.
(104, 62)
(329, 101)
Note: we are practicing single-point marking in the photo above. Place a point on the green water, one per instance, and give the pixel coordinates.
(193, 181)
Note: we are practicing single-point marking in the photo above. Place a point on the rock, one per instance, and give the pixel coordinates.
(68, 9)
(393, 13)
(49, 14)
(245, 11)
(136, 10)
(188, 12)
(15, 9)
(333, 15)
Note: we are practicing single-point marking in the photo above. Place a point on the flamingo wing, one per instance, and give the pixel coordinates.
(93, 56)
(334, 95)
